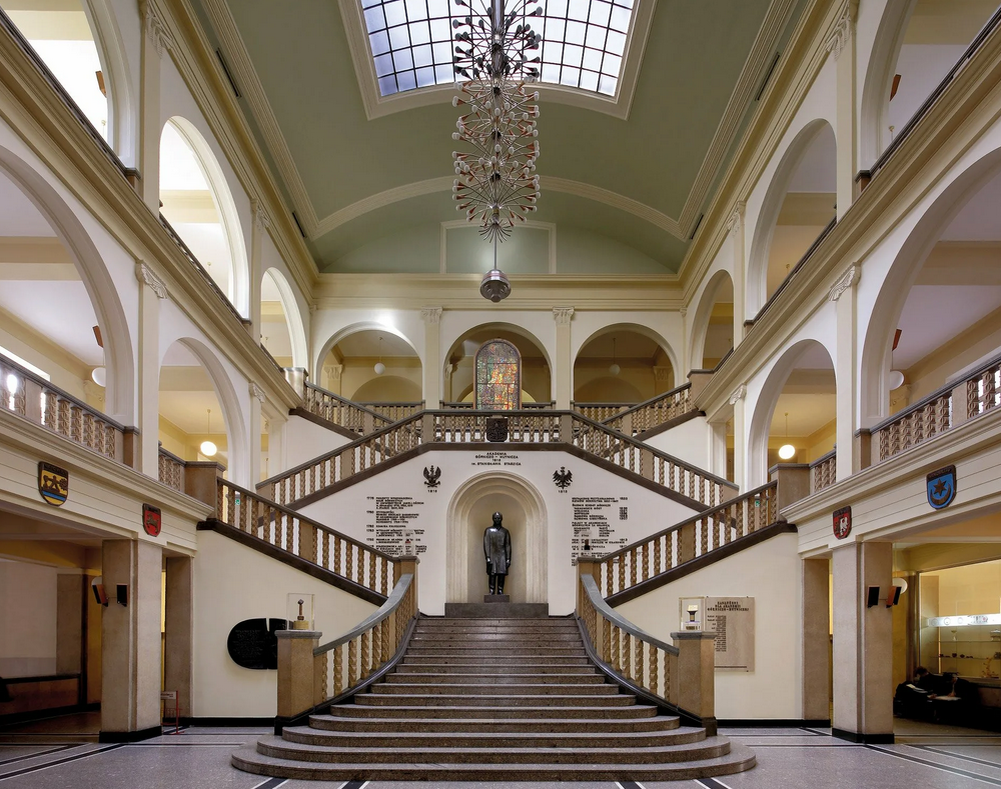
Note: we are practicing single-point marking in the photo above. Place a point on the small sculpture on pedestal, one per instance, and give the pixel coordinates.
(497, 552)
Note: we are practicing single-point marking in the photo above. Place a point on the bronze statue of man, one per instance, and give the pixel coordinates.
(497, 552)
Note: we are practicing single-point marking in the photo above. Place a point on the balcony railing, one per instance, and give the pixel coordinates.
(653, 412)
(170, 470)
(394, 412)
(341, 411)
(824, 471)
(34, 398)
(599, 412)
(474, 427)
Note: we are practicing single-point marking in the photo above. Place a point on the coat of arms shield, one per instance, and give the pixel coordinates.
(942, 487)
(53, 483)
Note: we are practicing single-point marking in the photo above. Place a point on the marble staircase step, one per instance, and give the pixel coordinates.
(494, 700)
(524, 722)
(462, 709)
(494, 689)
(525, 676)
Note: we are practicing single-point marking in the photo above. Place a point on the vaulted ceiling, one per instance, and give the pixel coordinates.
(370, 178)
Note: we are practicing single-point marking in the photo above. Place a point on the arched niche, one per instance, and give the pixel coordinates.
(64, 312)
(197, 202)
(803, 383)
(536, 377)
(623, 360)
(799, 203)
(712, 329)
(282, 329)
(940, 268)
(469, 514)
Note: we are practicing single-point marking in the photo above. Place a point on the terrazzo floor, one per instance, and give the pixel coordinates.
(924, 757)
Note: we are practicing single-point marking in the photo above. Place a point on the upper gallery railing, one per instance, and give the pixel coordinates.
(394, 412)
(305, 539)
(341, 411)
(644, 663)
(953, 404)
(170, 470)
(824, 471)
(653, 412)
(34, 398)
(599, 412)
(698, 536)
(469, 405)
(474, 427)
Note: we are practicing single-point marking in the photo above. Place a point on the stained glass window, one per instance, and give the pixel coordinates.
(498, 376)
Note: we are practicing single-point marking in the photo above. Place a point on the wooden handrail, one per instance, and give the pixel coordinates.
(617, 620)
(377, 617)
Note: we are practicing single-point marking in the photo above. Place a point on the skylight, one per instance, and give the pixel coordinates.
(583, 42)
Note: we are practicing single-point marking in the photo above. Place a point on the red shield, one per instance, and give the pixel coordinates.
(151, 520)
(842, 522)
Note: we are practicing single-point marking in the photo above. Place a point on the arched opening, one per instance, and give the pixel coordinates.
(197, 203)
(469, 514)
(943, 294)
(797, 408)
(61, 34)
(460, 363)
(622, 364)
(800, 203)
(372, 365)
(281, 325)
(918, 42)
(712, 332)
(59, 309)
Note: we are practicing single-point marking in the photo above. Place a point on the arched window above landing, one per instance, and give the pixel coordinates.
(498, 376)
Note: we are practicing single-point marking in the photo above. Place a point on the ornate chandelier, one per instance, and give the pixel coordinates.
(495, 183)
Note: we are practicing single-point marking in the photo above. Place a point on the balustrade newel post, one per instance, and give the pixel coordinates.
(300, 675)
(693, 689)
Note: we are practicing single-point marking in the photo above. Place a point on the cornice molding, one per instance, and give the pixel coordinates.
(35, 112)
(962, 114)
(196, 60)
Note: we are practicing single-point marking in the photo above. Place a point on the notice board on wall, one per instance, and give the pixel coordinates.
(732, 619)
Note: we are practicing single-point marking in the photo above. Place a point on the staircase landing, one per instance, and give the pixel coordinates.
(496, 699)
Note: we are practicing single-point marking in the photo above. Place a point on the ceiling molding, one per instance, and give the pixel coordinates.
(378, 106)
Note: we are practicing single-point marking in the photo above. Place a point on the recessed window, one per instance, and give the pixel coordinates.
(583, 42)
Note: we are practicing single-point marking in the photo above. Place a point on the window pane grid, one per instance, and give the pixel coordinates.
(583, 42)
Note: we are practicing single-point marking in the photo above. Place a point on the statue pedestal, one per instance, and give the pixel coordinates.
(496, 598)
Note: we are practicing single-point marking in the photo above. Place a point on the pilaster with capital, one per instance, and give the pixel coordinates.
(741, 471)
(844, 294)
(256, 430)
(151, 291)
(562, 383)
(259, 229)
(156, 38)
(736, 228)
(841, 44)
(433, 363)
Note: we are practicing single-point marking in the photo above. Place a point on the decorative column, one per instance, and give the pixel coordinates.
(261, 224)
(562, 383)
(736, 227)
(156, 39)
(740, 460)
(151, 290)
(432, 356)
(686, 361)
(256, 401)
(863, 643)
(841, 44)
(844, 295)
(130, 641)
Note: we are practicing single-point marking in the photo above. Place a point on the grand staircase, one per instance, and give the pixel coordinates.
(492, 700)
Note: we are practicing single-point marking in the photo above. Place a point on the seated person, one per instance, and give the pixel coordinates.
(913, 699)
(956, 700)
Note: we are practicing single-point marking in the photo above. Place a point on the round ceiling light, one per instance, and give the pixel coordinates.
(379, 368)
(99, 375)
(208, 449)
(614, 369)
(787, 451)
(896, 379)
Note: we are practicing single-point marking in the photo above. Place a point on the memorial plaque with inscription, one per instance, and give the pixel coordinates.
(253, 644)
(732, 619)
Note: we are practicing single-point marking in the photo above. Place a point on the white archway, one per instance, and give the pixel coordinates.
(764, 230)
(530, 537)
(703, 315)
(237, 289)
(293, 318)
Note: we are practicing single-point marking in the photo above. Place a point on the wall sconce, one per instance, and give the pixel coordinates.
(897, 587)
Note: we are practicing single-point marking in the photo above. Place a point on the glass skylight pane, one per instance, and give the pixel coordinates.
(575, 33)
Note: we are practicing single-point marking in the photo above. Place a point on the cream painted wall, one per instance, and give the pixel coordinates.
(770, 573)
(231, 583)
(305, 440)
(648, 512)
(27, 619)
(688, 441)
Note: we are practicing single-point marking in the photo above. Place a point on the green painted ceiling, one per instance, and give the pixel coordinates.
(695, 53)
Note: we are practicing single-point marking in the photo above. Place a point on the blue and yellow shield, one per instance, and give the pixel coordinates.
(53, 483)
(942, 487)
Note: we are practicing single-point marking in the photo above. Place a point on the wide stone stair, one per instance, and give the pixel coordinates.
(494, 700)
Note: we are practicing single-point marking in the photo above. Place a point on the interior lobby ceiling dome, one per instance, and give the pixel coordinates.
(356, 125)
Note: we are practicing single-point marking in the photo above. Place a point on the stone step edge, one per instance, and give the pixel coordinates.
(679, 732)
